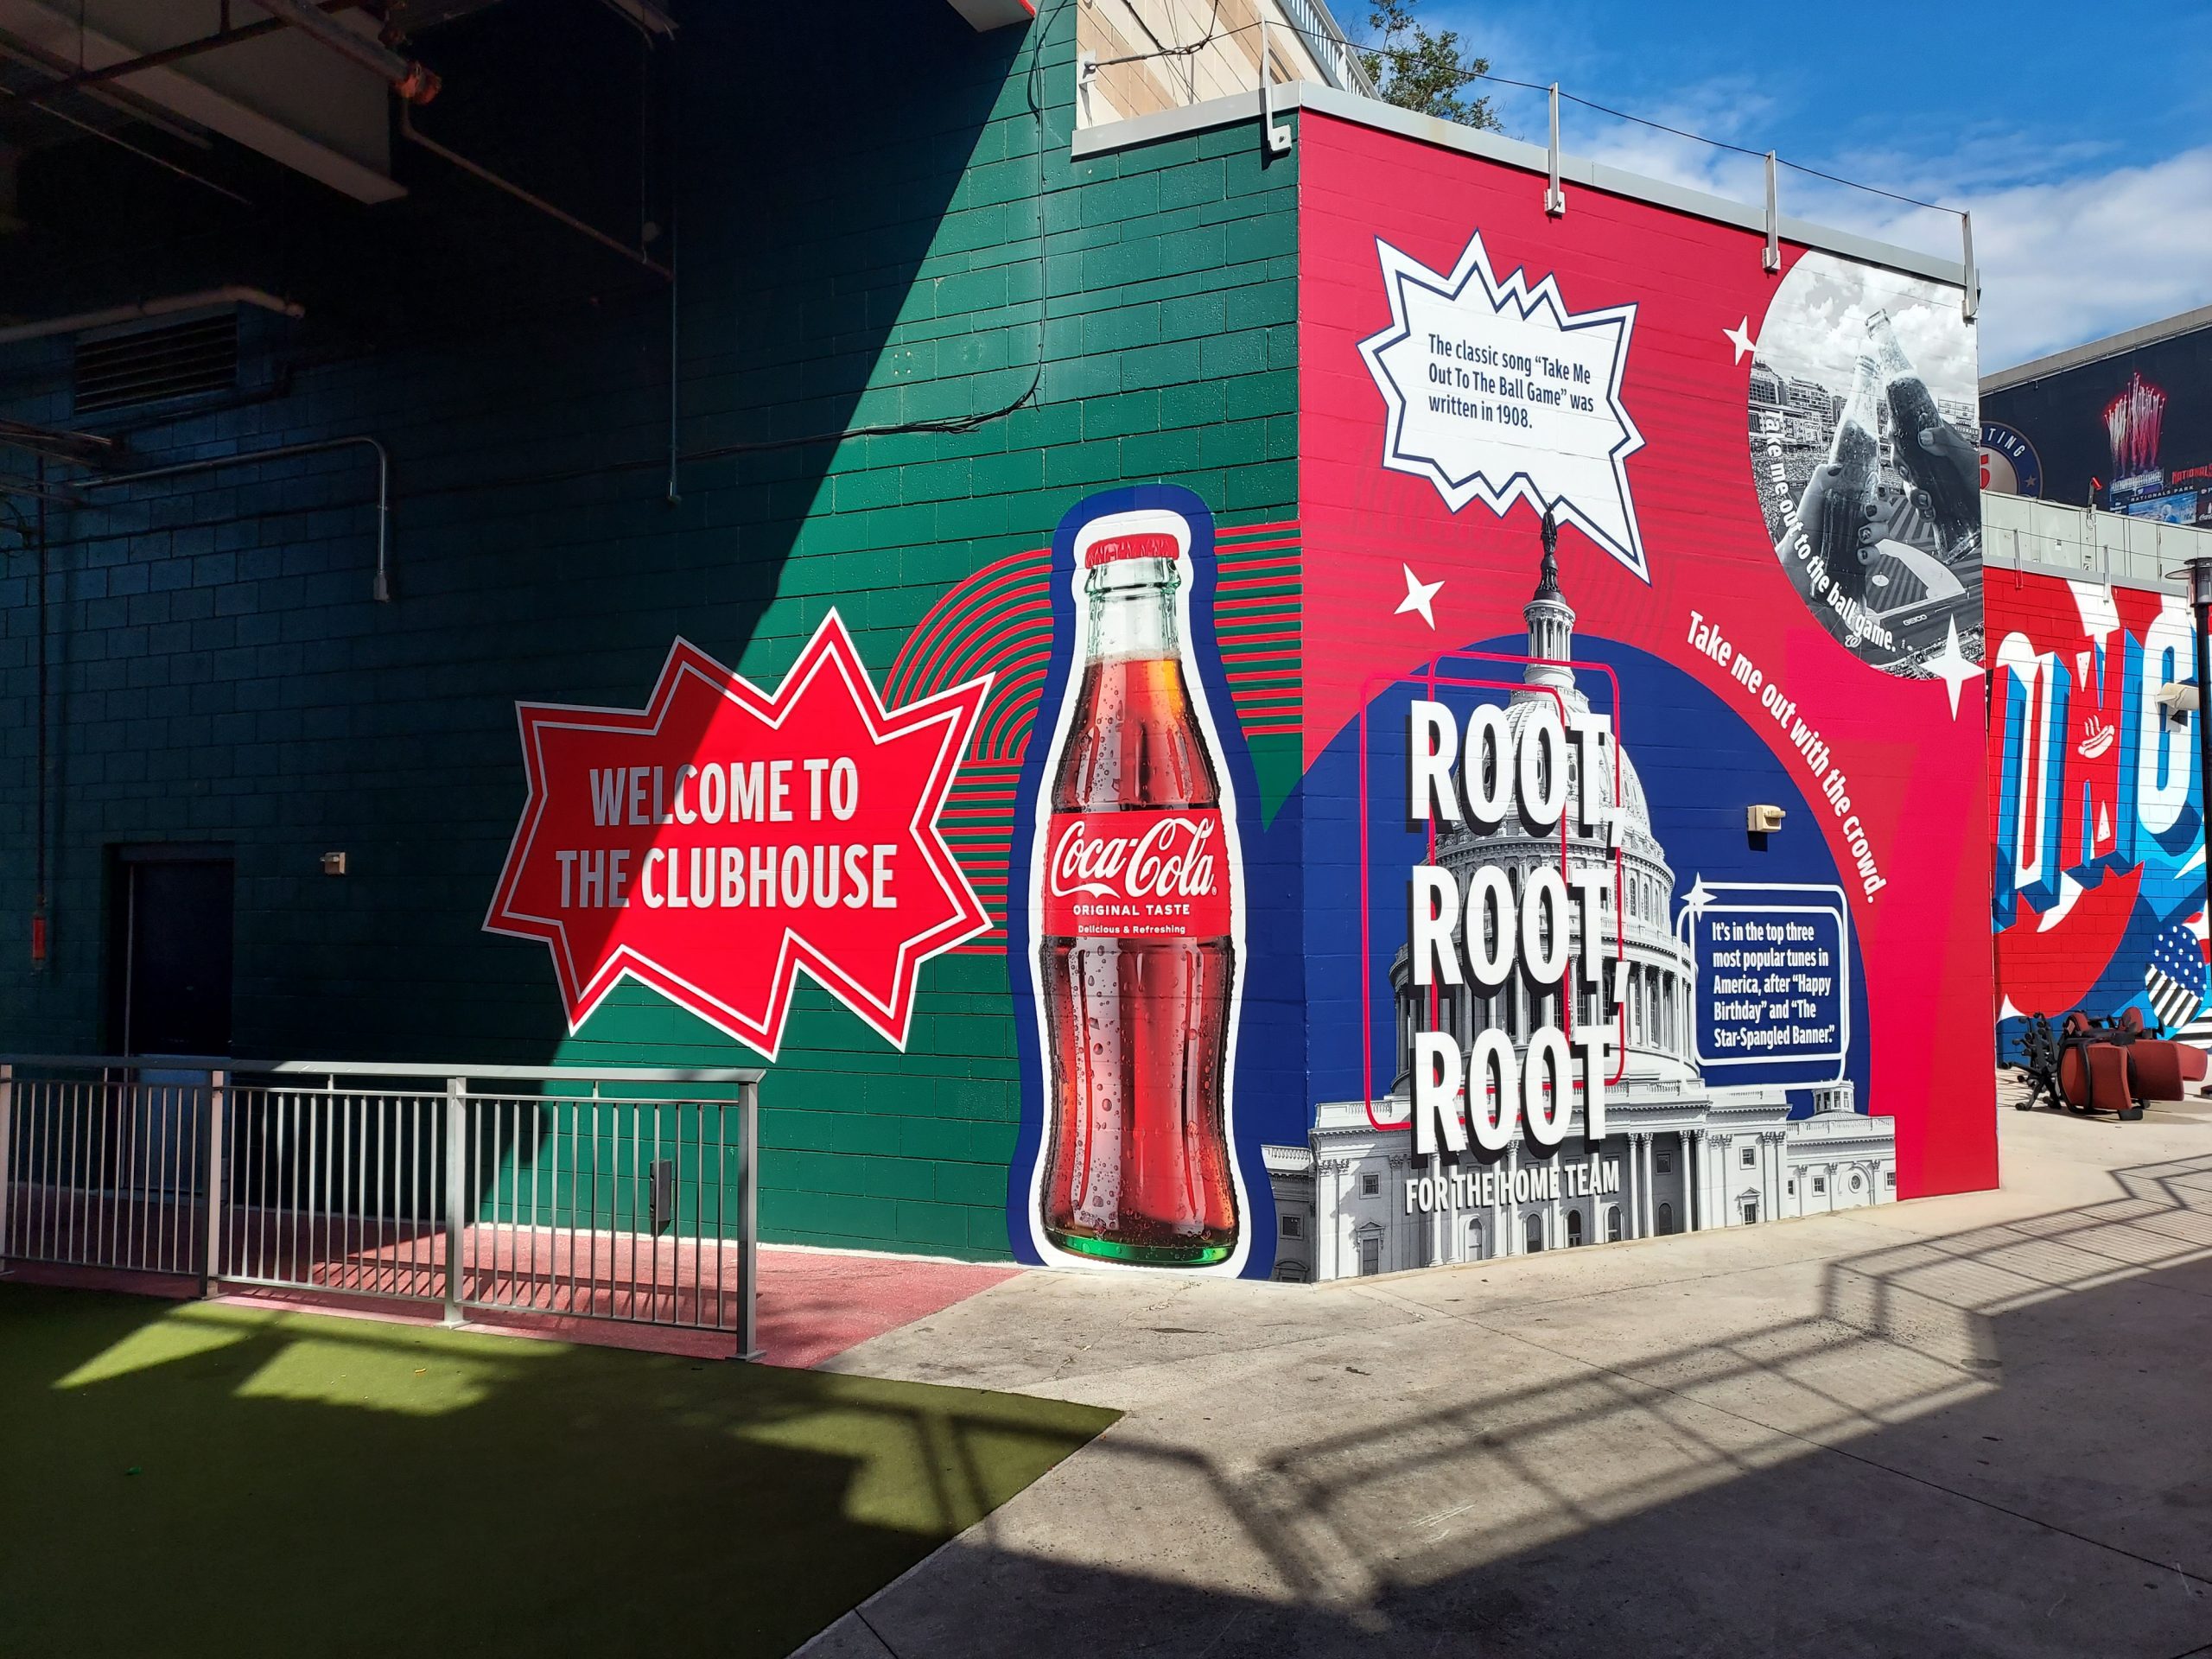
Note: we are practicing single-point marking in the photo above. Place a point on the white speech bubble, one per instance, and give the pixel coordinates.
(1498, 393)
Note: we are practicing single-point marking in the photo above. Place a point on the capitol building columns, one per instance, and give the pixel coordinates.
(1684, 1154)
(1692, 1170)
(1508, 1230)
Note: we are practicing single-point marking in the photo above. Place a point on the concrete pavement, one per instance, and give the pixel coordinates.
(1974, 1425)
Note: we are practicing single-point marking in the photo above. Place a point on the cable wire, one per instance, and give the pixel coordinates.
(943, 423)
(1213, 32)
(1369, 47)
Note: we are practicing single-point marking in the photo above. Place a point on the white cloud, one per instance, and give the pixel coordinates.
(1817, 326)
(2062, 261)
(2068, 262)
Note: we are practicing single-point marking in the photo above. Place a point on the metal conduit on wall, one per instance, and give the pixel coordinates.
(73, 493)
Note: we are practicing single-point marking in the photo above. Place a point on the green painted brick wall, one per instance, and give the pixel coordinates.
(922, 247)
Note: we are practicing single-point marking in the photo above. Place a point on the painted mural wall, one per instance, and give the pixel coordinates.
(1615, 542)
(2097, 812)
(1567, 830)
(1565, 827)
(1042, 777)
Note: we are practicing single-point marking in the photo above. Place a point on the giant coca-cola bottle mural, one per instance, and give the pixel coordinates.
(1136, 948)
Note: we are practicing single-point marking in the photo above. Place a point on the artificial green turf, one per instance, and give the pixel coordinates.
(190, 1479)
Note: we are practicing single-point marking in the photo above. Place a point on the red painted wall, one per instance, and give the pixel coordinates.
(1905, 749)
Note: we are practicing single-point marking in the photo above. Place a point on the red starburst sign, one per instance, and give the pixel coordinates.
(714, 842)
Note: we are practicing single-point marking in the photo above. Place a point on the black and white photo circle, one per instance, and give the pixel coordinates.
(1863, 451)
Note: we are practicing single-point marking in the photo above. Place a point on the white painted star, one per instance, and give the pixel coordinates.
(1740, 338)
(1419, 596)
(1951, 667)
(1698, 897)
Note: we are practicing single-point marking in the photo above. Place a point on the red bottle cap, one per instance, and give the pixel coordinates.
(1145, 544)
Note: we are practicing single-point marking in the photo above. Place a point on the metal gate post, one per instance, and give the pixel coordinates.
(211, 1257)
(456, 1189)
(748, 1216)
(7, 1156)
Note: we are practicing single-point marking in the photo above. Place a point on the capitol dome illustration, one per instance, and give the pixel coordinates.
(1652, 964)
(1680, 1153)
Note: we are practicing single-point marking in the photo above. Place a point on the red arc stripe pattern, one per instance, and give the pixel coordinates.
(999, 621)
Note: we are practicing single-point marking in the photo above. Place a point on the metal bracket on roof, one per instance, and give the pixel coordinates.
(1278, 138)
(1554, 197)
(1771, 260)
(1970, 302)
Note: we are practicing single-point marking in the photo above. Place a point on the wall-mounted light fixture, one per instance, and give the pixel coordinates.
(1763, 820)
(334, 863)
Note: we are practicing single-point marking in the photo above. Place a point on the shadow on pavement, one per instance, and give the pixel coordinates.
(1997, 1442)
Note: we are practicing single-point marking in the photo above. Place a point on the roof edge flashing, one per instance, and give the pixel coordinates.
(2097, 351)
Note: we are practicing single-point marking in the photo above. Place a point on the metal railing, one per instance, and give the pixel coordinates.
(621, 1210)
(629, 1196)
(339, 1190)
(101, 1173)
(1324, 40)
(2106, 547)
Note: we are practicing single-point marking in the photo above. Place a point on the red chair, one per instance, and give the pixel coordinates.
(2159, 1069)
(2093, 1068)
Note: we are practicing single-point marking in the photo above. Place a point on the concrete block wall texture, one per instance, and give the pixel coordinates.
(889, 229)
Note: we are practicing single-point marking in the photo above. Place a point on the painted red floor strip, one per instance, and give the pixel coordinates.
(814, 1305)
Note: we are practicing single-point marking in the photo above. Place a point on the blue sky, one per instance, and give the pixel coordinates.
(2080, 136)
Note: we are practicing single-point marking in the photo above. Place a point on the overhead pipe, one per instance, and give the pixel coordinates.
(407, 131)
(119, 98)
(85, 449)
(137, 108)
(77, 490)
(674, 319)
(380, 590)
(411, 80)
(168, 55)
(38, 901)
(170, 305)
(58, 495)
(646, 16)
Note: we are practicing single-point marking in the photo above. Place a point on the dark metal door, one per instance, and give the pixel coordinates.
(176, 978)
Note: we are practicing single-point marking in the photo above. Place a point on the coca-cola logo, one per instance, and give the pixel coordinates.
(1173, 858)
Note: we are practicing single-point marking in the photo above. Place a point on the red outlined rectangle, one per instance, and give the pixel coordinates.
(1432, 680)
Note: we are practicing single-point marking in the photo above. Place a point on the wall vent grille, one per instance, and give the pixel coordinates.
(151, 365)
